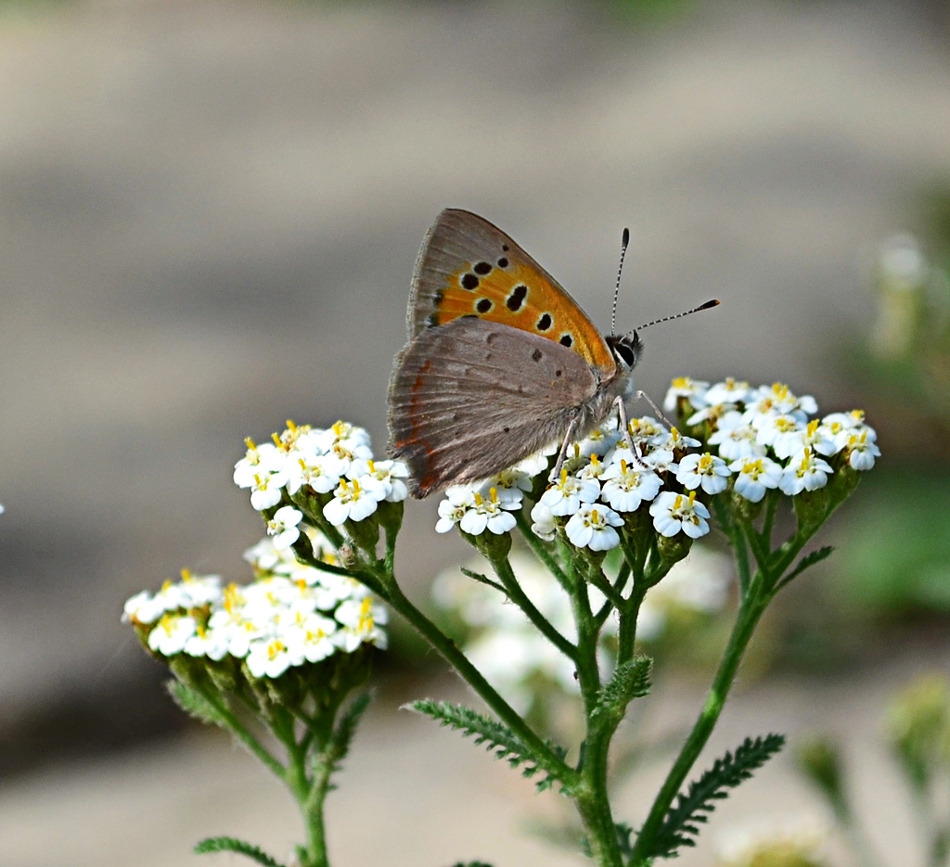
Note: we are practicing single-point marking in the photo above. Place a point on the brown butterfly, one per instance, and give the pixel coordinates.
(500, 362)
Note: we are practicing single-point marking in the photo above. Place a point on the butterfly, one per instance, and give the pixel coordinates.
(500, 360)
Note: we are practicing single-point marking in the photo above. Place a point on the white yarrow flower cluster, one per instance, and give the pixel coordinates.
(291, 615)
(745, 440)
(337, 461)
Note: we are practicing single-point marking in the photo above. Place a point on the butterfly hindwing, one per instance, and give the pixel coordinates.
(469, 267)
(455, 412)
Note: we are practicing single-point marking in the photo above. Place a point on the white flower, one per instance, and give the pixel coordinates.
(813, 435)
(592, 526)
(601, 439)
(754, 476)
(777, 399)
(321, 473)
(862, 450)
(565, 496)
(487, 513)
(693, 390)
(840, 425)
(316, 637)
(389, 475)
(646, 429)
(674, 512)
(625, 486)
(729, 391)
(360, 621)
(351, 501)
(142, 608)
(457, 500)
(704, 470)
(272, 657)
(266, 489)
(543, 524)
(675, 440)
(661, 461)
(283, 527)
(348, 442)
(735, 438)
(804, 472)
(777, 426)
(171, 633)
(259, 460)
(510, 486)
(210, 643)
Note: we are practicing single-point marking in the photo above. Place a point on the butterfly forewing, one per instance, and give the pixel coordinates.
(469, 267)
(457, 413)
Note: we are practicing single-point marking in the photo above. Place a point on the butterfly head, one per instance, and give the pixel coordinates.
(626, 349)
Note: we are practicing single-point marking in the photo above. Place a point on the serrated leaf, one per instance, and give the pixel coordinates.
(681, 823)
(807, 562)
(339, 744)
(231, 844)
(500, 740)
(630, 680)
(194, 703)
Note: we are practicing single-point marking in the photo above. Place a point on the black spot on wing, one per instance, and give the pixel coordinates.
(484, 305)
(544, 322)
(515, 300)
(482, 268)
(537, 355)
(567, 339)
(470, 282)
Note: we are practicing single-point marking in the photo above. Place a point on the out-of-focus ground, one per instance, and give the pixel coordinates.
(208, 218)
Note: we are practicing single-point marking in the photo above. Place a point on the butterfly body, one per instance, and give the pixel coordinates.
(500, 362)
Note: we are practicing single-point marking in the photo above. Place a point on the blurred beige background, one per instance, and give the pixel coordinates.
(209, 214)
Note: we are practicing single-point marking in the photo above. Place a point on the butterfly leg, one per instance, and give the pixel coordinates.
(625, 427)
(562, 454)
(624, 424)
(637, 395)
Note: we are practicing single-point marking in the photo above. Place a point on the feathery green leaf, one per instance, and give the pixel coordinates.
(680, 825)
(500, 739)
(231, 844)
(630, 680)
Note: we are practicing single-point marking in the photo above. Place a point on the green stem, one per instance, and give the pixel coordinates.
(591, 797)
(509, 580)
(241, 732)
(750, 611)
(541, 550)
(545, 757)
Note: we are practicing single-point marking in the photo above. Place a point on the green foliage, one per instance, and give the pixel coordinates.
(680, 825)
(195, 704)
(500, 739)
(630, 680)
(807, 562)
(332, 757)
(231, 844)
(896, 557)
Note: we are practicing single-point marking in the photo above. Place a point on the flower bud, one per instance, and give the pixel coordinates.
(492, 546)
(674, 548)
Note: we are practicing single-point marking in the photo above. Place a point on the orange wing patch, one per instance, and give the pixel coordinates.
(515, 294)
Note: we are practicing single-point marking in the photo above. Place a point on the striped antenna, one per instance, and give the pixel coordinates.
(624, 242)
(712, 303)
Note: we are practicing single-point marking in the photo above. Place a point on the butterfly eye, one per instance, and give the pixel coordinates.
(627, 348)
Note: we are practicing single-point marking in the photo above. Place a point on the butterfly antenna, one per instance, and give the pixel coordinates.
(712, 303)
(624, 243)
